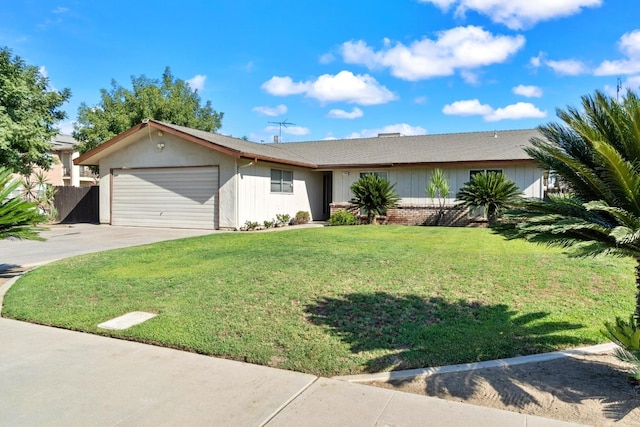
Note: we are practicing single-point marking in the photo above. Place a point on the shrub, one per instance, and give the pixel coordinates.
(269, 224)
(627, 336)
(302, 217)
(490, 191)
(18, 218)
(282, 219)
(374, 195)
(250, 225)
(343, 217)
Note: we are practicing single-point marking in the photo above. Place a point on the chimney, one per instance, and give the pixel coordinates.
(276, 139)
(389, 135)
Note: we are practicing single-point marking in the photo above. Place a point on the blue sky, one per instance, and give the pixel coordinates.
(340, 68)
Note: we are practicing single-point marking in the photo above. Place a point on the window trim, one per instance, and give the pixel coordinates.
(284, 186)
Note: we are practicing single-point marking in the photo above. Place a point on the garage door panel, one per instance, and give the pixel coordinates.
(165, 197)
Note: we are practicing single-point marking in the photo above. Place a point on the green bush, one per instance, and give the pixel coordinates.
(374, 195)
(627, 336)
(302, 217)
(343, 217)
(282, 219)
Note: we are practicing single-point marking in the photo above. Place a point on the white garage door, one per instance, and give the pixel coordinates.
(165, 197)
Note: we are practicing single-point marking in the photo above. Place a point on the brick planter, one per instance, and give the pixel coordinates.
(453, 216)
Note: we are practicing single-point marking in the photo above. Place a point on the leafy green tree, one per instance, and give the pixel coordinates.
(29, 112)
(374, 195)
(18, 217)
(490, 191)
(596, 151)
(438, 188)
(169, 99)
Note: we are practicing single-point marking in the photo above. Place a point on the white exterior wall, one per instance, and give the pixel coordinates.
(411, 182)
(257, 203)
(143, 153)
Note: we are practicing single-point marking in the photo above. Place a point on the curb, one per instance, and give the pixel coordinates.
(425, 372)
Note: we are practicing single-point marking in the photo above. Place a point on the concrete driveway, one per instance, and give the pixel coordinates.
(68, 240)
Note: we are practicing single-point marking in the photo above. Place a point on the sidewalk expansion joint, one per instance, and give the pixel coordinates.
(288, 402)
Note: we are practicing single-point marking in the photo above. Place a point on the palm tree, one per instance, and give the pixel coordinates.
(374, 195)
(596, 150)
(491, 191)
(18, 217)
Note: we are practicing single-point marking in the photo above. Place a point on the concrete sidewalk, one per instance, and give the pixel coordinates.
(56, 377)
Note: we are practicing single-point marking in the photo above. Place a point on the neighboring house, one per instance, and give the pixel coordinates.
(161, 175)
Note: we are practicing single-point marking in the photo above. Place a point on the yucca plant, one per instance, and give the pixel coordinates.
(438, 188)
(18, 217)
(374, 195)
(490, 191)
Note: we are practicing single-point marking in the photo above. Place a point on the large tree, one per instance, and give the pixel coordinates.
(168, 99)
(596, 151)
(29, 112)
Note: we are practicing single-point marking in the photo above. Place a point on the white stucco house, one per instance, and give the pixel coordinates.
(162, 175)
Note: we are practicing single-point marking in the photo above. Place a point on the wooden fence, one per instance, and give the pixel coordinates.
(77, 204)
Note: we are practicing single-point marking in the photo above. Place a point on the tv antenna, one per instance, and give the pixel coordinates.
(618, 87)
(284, 123)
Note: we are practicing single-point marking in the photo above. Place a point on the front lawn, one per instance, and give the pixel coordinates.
(338, 300)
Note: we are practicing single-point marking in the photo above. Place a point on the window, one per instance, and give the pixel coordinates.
(473, 172)
(281, 181)
(380, 174)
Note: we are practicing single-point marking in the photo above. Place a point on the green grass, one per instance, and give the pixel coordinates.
(338, 300)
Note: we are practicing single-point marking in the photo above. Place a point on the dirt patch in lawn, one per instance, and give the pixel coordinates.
(586, 389)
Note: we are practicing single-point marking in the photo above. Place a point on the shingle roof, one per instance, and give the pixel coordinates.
(444, 148)
(378, 151)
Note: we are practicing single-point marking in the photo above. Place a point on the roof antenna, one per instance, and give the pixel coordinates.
(284, 123)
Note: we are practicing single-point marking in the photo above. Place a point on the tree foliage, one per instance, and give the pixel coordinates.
(374, 195)
(596, 150)
(18, 217)
(168, 99)
(29, 112)
(490, 191)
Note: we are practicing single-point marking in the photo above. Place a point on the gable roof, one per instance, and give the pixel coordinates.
(363, 152)
(422, 149)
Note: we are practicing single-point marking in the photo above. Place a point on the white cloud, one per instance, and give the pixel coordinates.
(342, 114)
(567, 67)
(473, 107)
(460, 48)
(343, 87)
(470, 77)
(527, 91)
(196, 83)
(66, 127)
(420, 100)
(284, 86)
(517, 14)
(632, 83)
(327, 58)
(291, 130)
(629, 45)
(271, 111)
(43, 72)
(520, 110)
(402, 128)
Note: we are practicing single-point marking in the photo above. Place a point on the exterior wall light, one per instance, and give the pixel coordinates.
(160, 146)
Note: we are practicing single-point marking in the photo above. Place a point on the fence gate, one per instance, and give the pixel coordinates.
(77, 204)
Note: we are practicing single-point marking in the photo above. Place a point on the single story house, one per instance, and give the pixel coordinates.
(162, 175)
